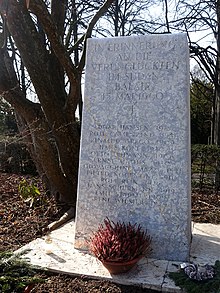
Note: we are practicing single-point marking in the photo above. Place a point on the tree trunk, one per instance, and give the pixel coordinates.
(41, 141)
(49, 128)
(51, 132)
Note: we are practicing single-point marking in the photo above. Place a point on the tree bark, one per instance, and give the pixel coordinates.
(50, 127)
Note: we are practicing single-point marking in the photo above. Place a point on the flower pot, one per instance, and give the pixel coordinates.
(120, 267)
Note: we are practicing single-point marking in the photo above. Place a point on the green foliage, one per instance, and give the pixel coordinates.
(16, 273)
(7, 118)
(204, 163)
(201, 100)
(14, 156)
(191, 286)
(30, 193)
(119, 241)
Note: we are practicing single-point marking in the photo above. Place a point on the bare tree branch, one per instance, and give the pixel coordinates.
(91, 25)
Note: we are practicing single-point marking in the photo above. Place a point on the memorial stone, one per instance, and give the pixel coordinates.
(135, 145)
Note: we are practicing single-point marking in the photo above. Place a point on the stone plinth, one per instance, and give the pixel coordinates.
(135, 145)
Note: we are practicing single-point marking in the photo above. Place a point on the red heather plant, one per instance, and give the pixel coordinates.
(119, 242)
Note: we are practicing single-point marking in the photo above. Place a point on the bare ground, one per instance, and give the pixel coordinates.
(20, 224)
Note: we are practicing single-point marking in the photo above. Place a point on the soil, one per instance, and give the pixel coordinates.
(20, 224)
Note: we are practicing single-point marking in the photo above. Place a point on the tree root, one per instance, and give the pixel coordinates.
(70, 214)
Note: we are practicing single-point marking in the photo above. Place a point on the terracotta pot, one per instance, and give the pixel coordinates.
(120, 267)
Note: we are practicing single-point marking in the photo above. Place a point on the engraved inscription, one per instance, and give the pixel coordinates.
(134, 46)
(134, 159)
(155, 65)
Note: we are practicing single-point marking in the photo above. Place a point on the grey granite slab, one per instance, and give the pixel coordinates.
(135, 145)
(56, 253)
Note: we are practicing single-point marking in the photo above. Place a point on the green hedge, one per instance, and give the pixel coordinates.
(204, 160)
(14, 158)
